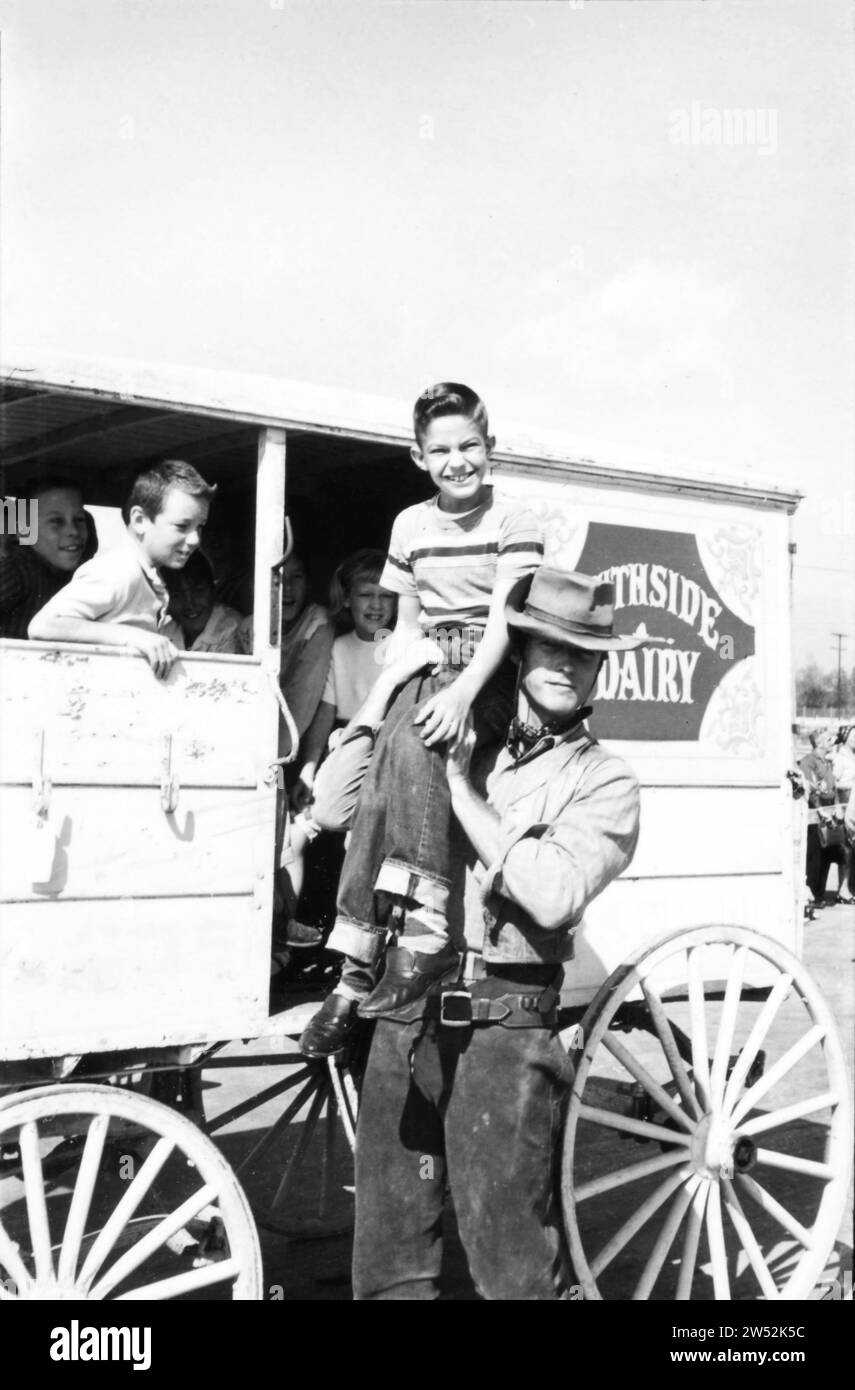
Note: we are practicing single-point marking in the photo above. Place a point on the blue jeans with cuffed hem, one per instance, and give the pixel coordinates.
(403, 818)
(482, 1109)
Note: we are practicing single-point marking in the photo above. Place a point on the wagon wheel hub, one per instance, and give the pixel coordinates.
(718, 1151)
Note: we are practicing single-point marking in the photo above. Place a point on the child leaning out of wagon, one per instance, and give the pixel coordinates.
(364, 614)
(453, 561)
(119, 598)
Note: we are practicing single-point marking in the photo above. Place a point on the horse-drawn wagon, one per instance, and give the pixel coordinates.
(138, 827)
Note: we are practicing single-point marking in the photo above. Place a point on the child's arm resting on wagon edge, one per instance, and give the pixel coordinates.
(51, 626)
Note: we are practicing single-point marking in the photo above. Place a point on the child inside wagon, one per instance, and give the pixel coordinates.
(364, 613)
(38, 566)
(119, 598)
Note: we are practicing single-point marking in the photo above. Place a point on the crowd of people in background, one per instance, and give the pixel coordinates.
(827, 780)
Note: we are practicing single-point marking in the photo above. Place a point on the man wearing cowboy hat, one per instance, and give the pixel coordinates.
(464, 1085)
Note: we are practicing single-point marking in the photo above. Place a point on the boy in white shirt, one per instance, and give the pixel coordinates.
(118, 598)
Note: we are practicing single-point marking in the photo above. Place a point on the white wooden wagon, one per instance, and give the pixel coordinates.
(706, 1141)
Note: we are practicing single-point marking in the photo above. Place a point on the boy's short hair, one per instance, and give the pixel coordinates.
(198, 568)
(362, 564)
(449, 398)
(151, 486)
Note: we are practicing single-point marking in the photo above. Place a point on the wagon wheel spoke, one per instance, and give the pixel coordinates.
(300, 1147)
(34, 1190)
(697, 1014)
(764, 1199)
(81, 1201)
(642, 1075)
(727, 1023)
(346, 1099)
(188, 1282)
(597, 1186)
(638, 1219)
(793, 1164)
(612, 1120)
(664, 1241)
(691, 1240)
(773, 1119)
(260, 1098)
(146, 1247)
(12, 1262)
(328, 1156)
(791, 1058)
(124, 1210)
(748, 1241)
(715, 1238)
(272, 1136)
(779, 992)
(676, 1064)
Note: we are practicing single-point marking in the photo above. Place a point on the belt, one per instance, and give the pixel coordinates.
(457, 1007)
(458, 1004)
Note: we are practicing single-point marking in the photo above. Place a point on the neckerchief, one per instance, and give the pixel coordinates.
(523, 738)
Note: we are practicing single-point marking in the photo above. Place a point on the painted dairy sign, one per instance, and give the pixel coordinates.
(661, 588)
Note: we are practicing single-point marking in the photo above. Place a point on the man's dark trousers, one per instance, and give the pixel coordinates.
(482, 1107)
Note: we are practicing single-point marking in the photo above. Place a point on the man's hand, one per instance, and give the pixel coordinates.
(444, 715)
(158, 651)
(458, 758)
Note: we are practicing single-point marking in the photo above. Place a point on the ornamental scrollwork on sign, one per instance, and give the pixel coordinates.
(732, 557)
(735, 720)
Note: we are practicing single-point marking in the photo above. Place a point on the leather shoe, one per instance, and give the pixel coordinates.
(328, 1031)
(408, 975)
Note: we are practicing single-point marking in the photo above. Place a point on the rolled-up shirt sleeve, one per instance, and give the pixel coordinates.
(554, 870)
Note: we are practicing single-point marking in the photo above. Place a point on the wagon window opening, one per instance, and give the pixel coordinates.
(342, 494)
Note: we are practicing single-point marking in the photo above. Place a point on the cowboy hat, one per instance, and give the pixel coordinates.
(574, 610)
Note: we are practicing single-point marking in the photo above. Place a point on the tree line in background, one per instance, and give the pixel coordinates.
(825, 692)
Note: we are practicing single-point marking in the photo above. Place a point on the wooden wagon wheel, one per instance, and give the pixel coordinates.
(756, 1212)
(95, 1236)
(298, 1171)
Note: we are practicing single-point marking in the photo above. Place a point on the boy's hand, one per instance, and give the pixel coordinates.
(414, 658)
(444, 715)
(302, 792)
(158, 651)
(458, 756)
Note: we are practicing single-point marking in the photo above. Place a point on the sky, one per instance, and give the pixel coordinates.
(539, 198)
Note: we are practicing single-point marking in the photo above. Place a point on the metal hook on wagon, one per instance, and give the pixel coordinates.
(276, 585)
(169, 786)
(291, 727)
(41, 784)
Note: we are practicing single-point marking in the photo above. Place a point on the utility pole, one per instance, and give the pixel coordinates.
(841, 638)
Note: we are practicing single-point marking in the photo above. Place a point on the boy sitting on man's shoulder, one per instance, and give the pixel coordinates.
(119, 599)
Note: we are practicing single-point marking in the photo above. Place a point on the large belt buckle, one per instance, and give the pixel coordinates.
(455, 1008)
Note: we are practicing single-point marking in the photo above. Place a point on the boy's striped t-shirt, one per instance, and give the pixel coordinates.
(451, 561)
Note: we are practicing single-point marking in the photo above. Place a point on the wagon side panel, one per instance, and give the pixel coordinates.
(136, 850)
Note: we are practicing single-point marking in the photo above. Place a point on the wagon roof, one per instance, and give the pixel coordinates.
(110, 410)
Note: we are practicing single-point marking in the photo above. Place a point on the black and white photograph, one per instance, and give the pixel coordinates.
(427, 663)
